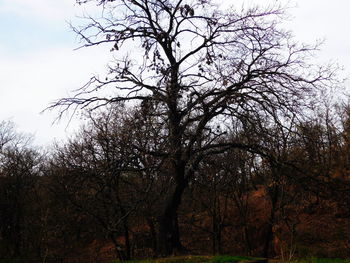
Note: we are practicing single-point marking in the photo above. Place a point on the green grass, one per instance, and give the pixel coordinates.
(183, 259)
(224, 258)
(322, 260)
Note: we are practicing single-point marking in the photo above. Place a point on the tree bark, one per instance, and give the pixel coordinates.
(153, 234)
(216, 229)
(127, 242)
(169, 236)
(269, 234)
(247, 242)
(120, 253)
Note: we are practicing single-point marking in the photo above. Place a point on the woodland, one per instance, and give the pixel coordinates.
(213, 132)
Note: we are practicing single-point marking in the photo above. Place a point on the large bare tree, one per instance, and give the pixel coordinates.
(199, 71)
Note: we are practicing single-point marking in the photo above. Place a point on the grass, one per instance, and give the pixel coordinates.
(225, 258)
(322, 260)
(183, 259)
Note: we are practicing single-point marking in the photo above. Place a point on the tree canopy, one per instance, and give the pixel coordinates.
(198, 73)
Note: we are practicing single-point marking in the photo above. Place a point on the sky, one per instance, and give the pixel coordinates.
(39, 62)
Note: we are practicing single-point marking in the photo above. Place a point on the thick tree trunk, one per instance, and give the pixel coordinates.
(127, 242)
(153, 234)
(216, 229)
(246, 238)
(169, 234)
(268, 241)
(119, 251)
(269, 233)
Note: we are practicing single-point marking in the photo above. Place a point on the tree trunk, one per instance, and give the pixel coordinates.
(169, 234)
(247, 242)
(127, 242)
(268, 241)
(119, 251)
(216, 230)
(153, 235)
(269, 233)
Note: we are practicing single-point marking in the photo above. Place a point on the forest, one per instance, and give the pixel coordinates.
(213, 132)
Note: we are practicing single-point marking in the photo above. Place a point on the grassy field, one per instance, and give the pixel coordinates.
(321, 260)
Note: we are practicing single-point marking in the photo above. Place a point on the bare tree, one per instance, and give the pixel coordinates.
(19, 171)
(200, 71)
(103, 176)
(7, 133)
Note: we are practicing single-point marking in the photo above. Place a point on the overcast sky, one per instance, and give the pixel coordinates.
(38, 63)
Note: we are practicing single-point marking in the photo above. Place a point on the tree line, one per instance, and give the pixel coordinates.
(208, 130)
(100, 195)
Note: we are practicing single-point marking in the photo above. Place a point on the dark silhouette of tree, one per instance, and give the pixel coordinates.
(103, 176)
(19, 171)
(200, 71)
(222, 188)
(7, 133)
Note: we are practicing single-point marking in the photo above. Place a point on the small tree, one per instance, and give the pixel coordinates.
(200, 71)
